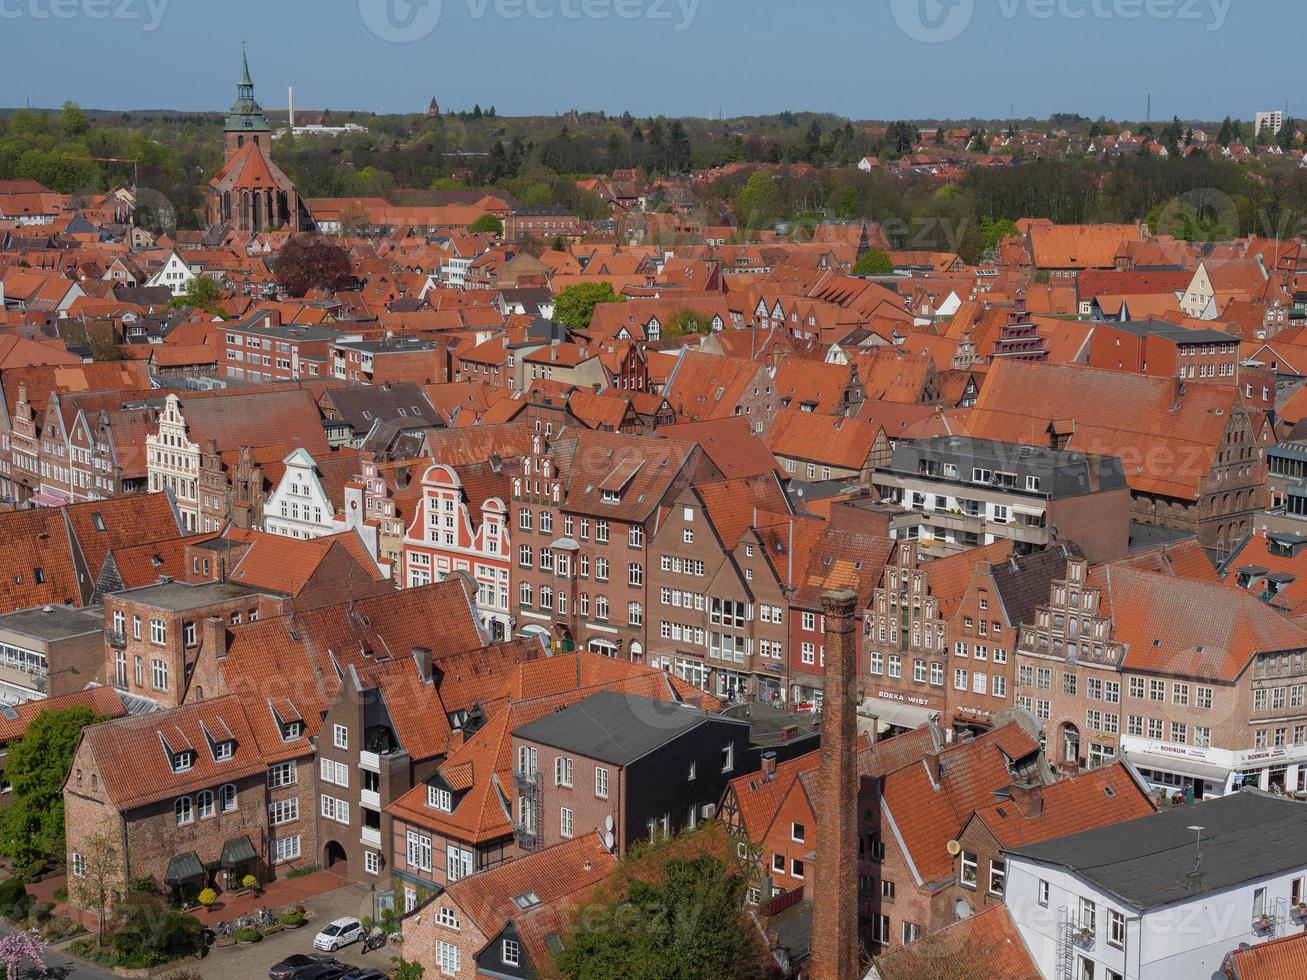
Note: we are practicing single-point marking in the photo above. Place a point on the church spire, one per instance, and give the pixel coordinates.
(245, 69)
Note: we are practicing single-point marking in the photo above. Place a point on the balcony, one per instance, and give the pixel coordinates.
(370, 836)
(116, 638)
(370, 761)
(370, 798)
(525, 780)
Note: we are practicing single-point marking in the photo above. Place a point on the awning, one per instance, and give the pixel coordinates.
(1178, 765)
(44, 499)
(1025, 510)
(184, 868)
(237, 851)
(894, 714)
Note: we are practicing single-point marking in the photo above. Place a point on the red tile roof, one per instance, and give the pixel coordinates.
(927, 816)
(1280, 959)
(984, 945)
(1068, 807)
(104, 701)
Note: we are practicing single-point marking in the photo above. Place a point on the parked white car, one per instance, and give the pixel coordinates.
(339, 933)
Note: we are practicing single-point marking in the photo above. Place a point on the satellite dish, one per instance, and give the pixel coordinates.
(608, 839)
(608, 823)
(953, 847)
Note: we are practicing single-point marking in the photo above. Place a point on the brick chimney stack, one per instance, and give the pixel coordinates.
(835, 915)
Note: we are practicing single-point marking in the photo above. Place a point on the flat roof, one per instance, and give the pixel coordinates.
(179, 596)
(51, 623)
(1150, 862)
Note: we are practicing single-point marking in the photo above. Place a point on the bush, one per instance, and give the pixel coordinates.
(15, 903)
(300, 872)
(405, 970)
(247, 935)
(207, 897)
(249, 881)
(33, 870)
(150, 933)
(273, 929)
(43, 913)
(368, 922)
(295, 918)
(143, 885)
(61, 894)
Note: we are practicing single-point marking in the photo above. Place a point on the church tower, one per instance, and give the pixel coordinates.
(251, 193)
(246, 122)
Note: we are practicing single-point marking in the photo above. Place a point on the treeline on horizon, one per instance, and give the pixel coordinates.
(539, 159)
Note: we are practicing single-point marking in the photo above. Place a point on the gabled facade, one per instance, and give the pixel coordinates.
(463, 527)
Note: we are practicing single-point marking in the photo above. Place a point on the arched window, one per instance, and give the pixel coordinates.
(205, 802)
(183, 811)
(227, 798)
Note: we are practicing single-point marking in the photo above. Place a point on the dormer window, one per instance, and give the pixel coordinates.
(183, 761)
(610, 496)
(222, 751)
(292, 729)
(440, 799)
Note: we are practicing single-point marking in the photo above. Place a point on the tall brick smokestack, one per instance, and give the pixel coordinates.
(835, 905)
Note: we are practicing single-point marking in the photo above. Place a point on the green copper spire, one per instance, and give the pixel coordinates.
(246, 114)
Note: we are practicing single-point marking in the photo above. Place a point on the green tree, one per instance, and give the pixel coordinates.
(202, 293)
(994, 231)
(574, 307)
(32, 826)
(873, 263)
(678, 915)
(487, 224)
(1225, 136)
(684, 323)
(73, 121)
(761, 201)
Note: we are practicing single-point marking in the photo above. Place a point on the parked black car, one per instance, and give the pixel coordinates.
(298, 965)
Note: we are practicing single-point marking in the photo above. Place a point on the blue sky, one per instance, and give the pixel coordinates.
(860, 58)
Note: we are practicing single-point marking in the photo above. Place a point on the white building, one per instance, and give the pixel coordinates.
(1274, 121)
(172, 462)
(300, 507)
(1157, 898)
(174, 274)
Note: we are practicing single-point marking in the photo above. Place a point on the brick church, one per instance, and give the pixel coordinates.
(250, 193)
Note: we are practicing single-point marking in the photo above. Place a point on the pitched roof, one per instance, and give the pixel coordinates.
(614, 727)
(133, 752)
(1166, 435)
(1190, 628)
(1092, 799)
(983, 945)
(729, 442)
(1278, 959)
(830, 440)
(928, 815)
(104, 701)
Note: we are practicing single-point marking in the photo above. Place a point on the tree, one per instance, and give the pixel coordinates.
(1225, 136)
(677, 913)
(487, 224)
(760, 202)
(32, 826)
(684, 323)
(307, 262)
(150, 933)
(574, 307)
(992, 232)
(73, 121)
(19, 948)
(100, 870)
(202, 293)
(874, 263)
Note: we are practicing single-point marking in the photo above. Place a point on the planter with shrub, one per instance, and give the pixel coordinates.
(246, 936)
(293, 919)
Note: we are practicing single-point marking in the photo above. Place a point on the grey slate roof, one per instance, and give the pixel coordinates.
(1024, 582)
(1147, 862)
(615, 728)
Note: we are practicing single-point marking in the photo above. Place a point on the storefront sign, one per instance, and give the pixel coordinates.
(905, 698)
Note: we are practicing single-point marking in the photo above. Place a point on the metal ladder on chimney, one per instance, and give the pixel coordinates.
(1066, 944)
